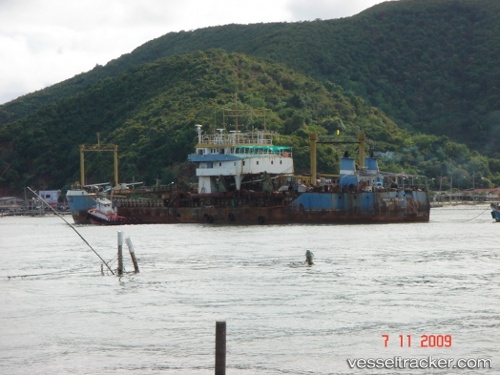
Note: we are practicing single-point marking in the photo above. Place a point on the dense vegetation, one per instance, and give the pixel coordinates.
(420, 77)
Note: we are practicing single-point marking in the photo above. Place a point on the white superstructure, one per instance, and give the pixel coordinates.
(226, 160)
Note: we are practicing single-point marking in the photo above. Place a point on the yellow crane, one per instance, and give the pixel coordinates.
(98, 148)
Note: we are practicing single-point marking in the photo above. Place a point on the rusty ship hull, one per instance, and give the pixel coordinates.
(306, 208)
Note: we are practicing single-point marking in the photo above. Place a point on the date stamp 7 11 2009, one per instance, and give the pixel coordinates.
(425, 341)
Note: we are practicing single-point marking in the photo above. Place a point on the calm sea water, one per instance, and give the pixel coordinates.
(283, 317)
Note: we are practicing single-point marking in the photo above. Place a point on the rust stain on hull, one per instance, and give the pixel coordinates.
(260, 209)
(270, 215)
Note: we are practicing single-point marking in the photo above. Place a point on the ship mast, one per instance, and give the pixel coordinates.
(234, 113)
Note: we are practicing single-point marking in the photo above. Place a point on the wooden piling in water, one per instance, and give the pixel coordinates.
(220, 348)
(132, 254)
(119, 271)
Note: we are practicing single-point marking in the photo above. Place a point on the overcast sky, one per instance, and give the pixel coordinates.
(43, 42)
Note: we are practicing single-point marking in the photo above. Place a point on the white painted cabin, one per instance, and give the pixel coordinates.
(239, 155)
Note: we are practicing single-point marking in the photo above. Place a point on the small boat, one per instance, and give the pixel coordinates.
(103, 213)
(495, 211)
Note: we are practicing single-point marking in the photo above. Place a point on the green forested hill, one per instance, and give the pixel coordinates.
(430, 65)
(150, 112)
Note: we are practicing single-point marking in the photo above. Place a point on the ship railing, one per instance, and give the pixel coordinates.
(285, 152)
(368, 172)
(258, 137)
(152, 188)
(405, 181)
(131, 203)
(169, 187)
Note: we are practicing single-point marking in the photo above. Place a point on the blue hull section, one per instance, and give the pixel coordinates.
(376, 205)
(495, 215)
(79, 202)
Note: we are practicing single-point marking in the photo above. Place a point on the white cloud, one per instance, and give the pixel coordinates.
(45, 42)
(327, 9)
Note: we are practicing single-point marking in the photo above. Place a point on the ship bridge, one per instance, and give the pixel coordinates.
(238, 155)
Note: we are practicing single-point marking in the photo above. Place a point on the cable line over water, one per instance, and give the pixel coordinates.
(72, 227)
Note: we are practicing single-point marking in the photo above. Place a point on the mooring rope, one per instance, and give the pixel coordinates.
(72, 227)
(474, 218)
(470, 209)
(63, 272)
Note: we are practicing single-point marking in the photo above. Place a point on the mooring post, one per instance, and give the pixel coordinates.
(120, 254)
(220, 348)
(132, 254)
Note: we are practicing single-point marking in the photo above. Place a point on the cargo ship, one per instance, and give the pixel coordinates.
(244, 179)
